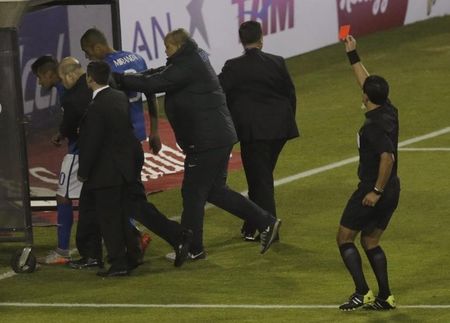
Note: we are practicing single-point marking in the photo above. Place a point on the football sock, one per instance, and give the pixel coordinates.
(65, 220)
(352, 260)
(378, 261)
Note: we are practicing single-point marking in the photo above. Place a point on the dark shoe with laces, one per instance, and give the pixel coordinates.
(85, 263)
(381, 304)
(182, 247)
(357, 300)
(269, 235)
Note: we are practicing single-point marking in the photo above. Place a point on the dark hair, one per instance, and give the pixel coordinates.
(92, 37)
(99, 71)
(376, 88)
(43, 64)
(250, 32)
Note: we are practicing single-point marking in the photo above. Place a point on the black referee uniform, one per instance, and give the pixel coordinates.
(378, 134)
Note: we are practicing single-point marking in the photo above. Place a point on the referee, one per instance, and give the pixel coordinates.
(371, 206)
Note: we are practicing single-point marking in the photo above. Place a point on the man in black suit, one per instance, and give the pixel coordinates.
(262, 101)
(196, 108)
(111, 160)
(108, 159)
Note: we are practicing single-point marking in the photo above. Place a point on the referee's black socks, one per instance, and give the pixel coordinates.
(378, 261)
(352, 260)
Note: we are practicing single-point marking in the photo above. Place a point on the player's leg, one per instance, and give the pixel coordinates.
(370, 240)
(353, 219)
(352, 260)
(378, 262)
(64, 209)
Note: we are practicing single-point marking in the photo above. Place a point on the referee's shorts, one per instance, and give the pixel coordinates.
(358, 217)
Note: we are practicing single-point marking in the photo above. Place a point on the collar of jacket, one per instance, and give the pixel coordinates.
(189, 47)
(251, 50)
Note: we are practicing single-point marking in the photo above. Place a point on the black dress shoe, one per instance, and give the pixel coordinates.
(113, 273)
(85, 263)
(182, 247)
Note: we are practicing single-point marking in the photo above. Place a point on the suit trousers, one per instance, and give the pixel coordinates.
(205, 175)
(89, 237)
(148, 215)
(114, 222)
(259, 159)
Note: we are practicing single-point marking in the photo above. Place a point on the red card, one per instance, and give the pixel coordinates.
(344, 32)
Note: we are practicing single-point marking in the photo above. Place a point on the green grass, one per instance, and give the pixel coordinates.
(305, 268)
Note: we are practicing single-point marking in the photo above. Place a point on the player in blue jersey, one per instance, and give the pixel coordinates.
(96, 47)
(46, 70)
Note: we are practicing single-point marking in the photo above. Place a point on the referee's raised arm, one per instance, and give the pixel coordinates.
(358, 68)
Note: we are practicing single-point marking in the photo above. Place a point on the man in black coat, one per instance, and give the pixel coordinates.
(196, 108)
(111, 160)
(261, 98)
(108, 159)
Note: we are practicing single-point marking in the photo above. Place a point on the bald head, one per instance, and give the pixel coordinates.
(69, 70)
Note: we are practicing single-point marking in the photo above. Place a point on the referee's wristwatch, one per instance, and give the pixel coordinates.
(377, 191)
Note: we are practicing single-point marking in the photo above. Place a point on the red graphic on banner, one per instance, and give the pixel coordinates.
(367, 16)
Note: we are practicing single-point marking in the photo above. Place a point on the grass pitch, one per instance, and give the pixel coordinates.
(305, 268)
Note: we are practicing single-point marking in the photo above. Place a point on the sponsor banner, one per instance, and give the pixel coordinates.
(425, 9)
(368, 16)
(53, 31)
(290, 26)
(43, 32)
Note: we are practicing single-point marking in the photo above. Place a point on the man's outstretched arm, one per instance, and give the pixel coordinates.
(358, 68)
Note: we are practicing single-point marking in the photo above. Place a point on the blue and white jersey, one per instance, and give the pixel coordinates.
(127, 62)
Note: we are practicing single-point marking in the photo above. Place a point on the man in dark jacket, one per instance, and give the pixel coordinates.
(262, 101)
(108, 162)
(196, 108)
(70, 75)
(111, 160)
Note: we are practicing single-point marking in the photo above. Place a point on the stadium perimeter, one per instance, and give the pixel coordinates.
(304, 269)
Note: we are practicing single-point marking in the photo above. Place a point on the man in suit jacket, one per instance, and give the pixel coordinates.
(109, 155)
(111, 160)
(262, 101)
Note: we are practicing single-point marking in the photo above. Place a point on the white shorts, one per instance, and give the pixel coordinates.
(68, 185)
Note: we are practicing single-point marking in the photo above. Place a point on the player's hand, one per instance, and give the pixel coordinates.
(154, 143)
(350, 43)
(370, 199)
(56, 139)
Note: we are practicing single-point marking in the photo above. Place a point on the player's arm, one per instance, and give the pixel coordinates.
(384, 172)
(154, 140)
(358, 68)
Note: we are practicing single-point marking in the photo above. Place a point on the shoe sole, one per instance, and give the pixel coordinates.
(272, 237)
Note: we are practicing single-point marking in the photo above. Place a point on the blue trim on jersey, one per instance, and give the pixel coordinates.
(127, 62)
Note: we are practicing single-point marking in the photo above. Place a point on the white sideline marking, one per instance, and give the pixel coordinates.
(245, 306)
(316, 171)
(425, 149)
(356, 158)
